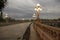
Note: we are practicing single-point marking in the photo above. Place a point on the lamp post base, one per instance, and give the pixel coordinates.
(38, 20)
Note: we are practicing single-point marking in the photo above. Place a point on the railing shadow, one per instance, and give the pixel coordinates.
(26, 35)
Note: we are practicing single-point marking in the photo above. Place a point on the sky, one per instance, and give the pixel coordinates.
(25, 8)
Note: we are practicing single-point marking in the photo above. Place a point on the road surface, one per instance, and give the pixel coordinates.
(33, 34)
(13, 32)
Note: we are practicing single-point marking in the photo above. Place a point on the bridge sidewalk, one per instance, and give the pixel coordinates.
(33, 34)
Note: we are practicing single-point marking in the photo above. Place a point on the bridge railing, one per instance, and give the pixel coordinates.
(47, 32)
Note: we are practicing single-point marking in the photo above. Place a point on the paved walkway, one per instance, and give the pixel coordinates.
(33, 34)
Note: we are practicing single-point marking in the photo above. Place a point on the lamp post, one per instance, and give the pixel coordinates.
(23, 19)
(34, 16)
(6, 18)
(38, 9)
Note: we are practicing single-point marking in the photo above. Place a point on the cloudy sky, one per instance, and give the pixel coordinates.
(25, 8)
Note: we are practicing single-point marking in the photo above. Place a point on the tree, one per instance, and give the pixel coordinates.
(2, 5)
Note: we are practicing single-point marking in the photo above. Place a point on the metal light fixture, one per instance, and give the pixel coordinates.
(38, 9)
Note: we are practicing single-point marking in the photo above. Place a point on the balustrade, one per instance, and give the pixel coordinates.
(52, 32)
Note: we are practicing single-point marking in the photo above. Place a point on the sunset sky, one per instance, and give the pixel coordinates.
(25, 8)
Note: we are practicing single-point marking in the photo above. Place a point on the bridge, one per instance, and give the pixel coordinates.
(30, 31)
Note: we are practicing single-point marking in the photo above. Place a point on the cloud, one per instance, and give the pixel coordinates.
(49, 16)
(25, 8)
(20, 3)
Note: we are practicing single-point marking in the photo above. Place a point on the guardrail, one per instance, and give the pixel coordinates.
(46, 32)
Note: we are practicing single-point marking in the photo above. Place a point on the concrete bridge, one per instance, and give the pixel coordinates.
(29, 31)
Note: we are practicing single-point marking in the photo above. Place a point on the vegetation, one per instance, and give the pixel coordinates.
(51, 22)
(2, 5)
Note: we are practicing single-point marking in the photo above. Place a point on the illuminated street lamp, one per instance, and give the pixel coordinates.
(38, 9)
(34, 16)
(6, 18)
(23, 19)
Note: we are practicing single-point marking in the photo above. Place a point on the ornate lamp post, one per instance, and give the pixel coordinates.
(38, 9)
